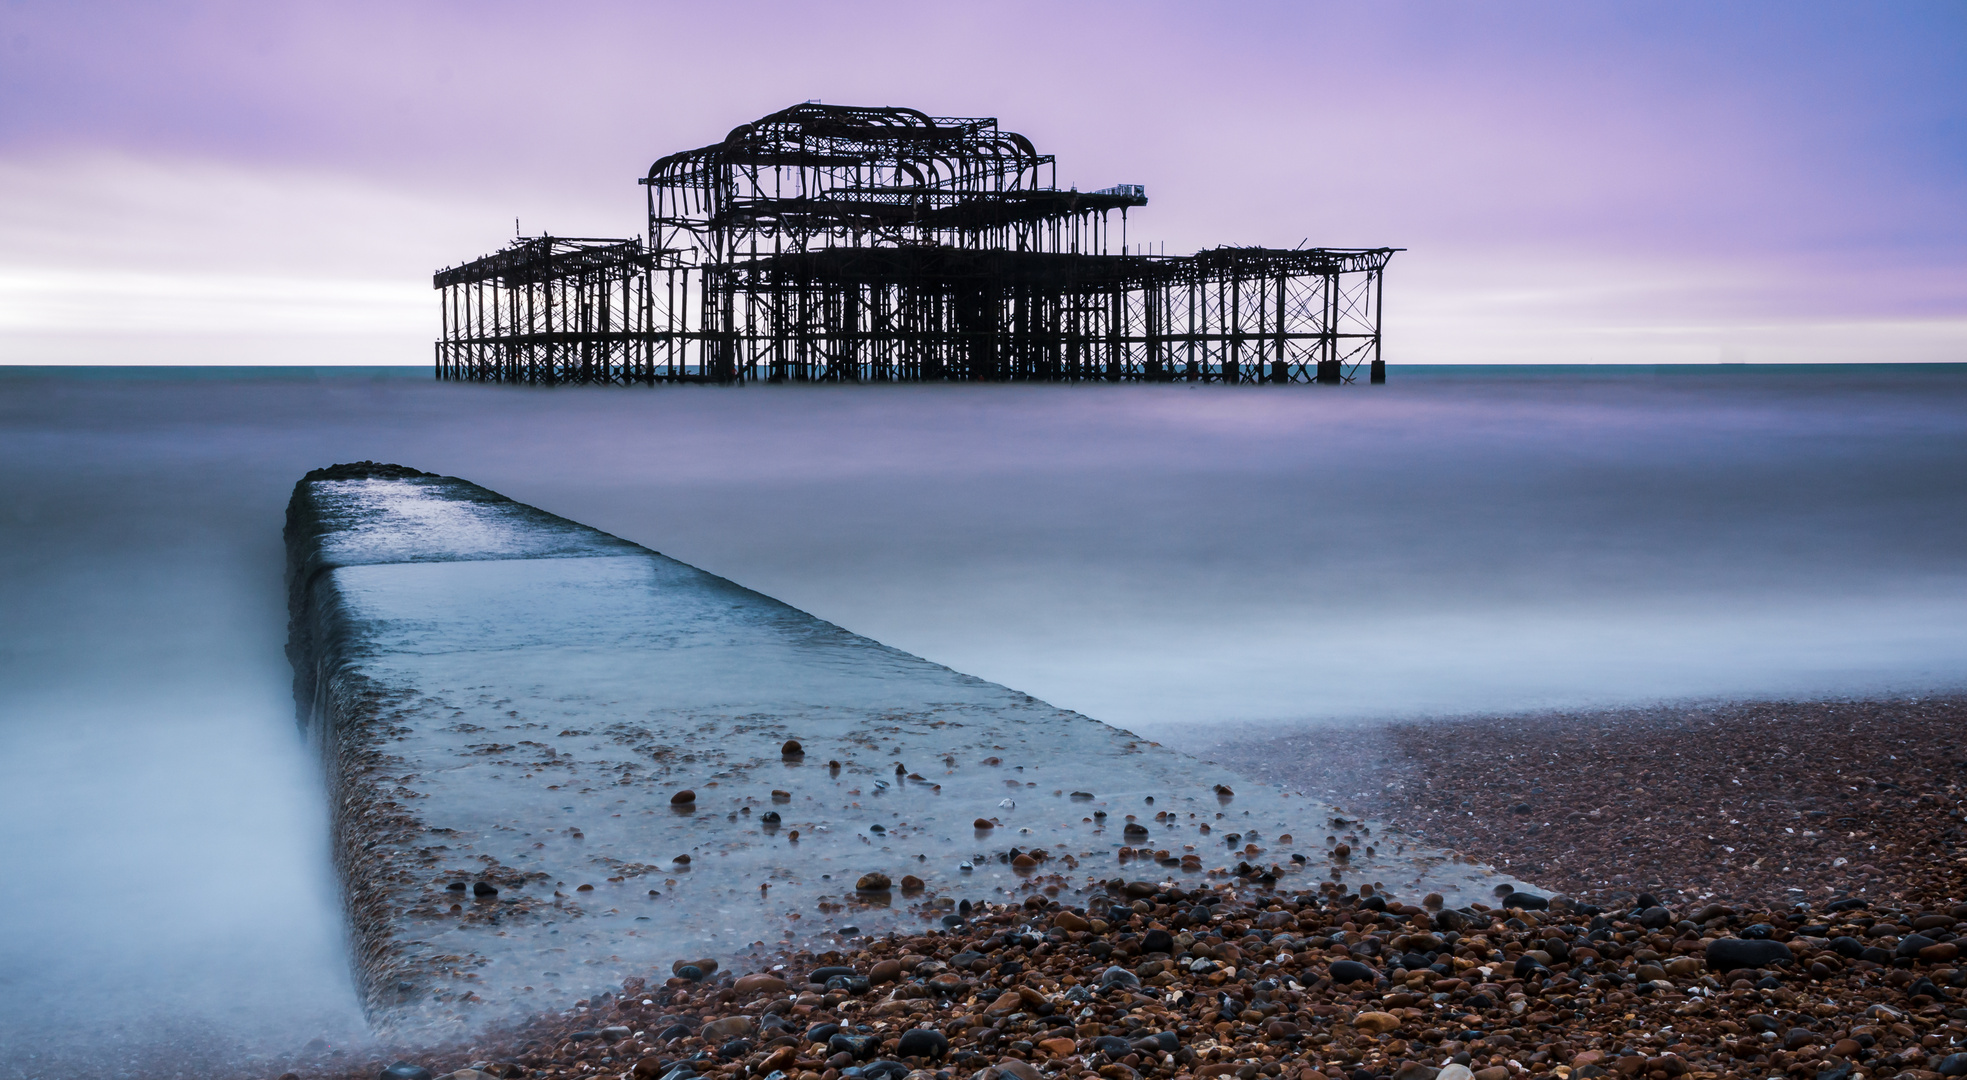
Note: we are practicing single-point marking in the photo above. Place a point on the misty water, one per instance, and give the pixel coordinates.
(1174, 560)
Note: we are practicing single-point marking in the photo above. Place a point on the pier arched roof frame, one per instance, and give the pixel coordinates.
(832, 173)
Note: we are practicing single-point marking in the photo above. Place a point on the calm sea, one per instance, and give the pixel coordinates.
(1459, 540)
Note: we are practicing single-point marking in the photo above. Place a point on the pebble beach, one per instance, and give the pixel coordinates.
(1721, 893)
(1763, 803)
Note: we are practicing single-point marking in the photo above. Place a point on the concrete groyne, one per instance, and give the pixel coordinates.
(557, 759)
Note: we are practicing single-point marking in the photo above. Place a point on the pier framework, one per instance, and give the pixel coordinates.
(832, 243)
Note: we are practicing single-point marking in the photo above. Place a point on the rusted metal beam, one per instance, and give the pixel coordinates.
(880, 244)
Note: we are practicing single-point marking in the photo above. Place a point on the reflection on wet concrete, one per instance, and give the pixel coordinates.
(557, 759)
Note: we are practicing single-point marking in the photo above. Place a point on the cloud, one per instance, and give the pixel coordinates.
(1646, 174)
(109, 258)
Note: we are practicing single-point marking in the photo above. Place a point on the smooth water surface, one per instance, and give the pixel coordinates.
(1156, 557)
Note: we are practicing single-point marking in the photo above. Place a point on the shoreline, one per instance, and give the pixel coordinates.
(1569, 991)
(1023, 996)
(1756, 802)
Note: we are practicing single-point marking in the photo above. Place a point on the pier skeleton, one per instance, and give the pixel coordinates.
(837, 243)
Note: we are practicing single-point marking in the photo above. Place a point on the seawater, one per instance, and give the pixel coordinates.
(1168, 559)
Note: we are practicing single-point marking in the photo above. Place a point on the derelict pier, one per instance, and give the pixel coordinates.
(834, 243)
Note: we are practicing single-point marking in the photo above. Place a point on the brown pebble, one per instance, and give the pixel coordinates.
(683, 797)
(1376, 1022)
(759, 983)
(984, 823)
(792, 749)
(874, 882)
(913, 884)
(729, 1027)
(1008, 1002)
(708, 967)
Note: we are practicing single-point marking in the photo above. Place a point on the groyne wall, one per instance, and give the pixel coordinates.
(557, 759)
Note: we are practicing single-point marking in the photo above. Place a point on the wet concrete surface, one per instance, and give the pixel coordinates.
(511, 708)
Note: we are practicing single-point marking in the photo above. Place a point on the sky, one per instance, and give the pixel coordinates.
(1652, 182)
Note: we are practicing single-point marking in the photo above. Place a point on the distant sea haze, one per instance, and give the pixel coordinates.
(1158, 557)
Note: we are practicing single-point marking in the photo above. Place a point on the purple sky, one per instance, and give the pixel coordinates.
(1640, 182)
